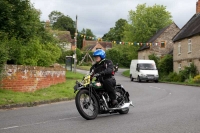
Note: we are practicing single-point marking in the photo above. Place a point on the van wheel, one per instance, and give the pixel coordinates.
(131, 78)
(139, 80)
(156, 81)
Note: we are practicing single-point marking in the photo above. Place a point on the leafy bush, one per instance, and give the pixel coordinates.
(122, 54)
(173, 77)
(196, 79)
(165, 65)
(3, 56)
(188, 72)
(155, 58)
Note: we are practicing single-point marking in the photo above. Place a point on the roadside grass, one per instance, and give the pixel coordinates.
(126, 73)
(181, 83)
(84, 67)
(62, 90)
(72, 75)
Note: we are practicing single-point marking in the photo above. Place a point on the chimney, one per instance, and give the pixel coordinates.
(198, 7)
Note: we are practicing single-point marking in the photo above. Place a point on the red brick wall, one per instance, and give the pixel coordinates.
(30, 78)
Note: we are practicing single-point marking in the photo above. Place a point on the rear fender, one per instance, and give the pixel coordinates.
(119, 86)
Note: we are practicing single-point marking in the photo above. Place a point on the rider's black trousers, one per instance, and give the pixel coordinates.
(109, 85)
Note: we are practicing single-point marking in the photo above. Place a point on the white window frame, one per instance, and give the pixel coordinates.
(179, 48)
(189, 46)
(189, 64)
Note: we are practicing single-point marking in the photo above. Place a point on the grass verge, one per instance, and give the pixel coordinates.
(126, 73)
(72, 75)
(59, 91)
(84, 67)
(181, 83)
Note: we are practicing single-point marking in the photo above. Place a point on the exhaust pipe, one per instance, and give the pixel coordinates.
(125, 106)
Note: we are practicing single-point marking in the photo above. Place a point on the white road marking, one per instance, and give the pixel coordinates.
(154, 87)
(9, 127)
(38, 123)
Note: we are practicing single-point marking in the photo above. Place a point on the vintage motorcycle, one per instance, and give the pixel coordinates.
(92, 99)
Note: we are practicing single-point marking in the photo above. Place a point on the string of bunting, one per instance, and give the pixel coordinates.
(123, 43)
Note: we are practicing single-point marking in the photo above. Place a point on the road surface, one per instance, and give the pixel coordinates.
(159, 108)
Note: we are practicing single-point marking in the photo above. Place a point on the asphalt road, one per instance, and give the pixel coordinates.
(159, 108)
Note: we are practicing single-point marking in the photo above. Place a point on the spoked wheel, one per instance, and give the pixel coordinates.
(88, 108)
(122, 99)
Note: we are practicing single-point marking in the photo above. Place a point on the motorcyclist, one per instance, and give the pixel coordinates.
(104, 69)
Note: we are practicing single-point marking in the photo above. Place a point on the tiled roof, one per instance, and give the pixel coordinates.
(106, 44)
(191, 28)
(91, 44)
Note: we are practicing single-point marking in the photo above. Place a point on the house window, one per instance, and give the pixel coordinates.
(189, 45)
(189, 64)
(179, 48)
(179, 67)
(162, 44)
(98, 48)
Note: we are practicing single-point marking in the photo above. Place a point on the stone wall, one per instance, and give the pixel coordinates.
(185, 56)
(30, 78)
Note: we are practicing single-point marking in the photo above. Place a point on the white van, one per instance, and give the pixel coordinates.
(143, 70)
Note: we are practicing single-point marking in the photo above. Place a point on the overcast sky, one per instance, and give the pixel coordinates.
(101, 15)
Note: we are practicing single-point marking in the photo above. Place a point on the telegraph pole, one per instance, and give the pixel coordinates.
(75, 38)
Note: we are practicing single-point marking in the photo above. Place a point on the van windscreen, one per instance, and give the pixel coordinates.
(147, 66)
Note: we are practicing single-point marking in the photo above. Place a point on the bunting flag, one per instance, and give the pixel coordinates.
(122, 43)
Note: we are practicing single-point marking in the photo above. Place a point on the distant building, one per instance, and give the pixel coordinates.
(164, 38)
(94, 45)
(63, 37)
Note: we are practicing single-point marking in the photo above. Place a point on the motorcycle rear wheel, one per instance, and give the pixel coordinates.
(119, 93)
(83, 105)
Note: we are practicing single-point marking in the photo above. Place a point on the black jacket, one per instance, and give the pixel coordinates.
(104, 67)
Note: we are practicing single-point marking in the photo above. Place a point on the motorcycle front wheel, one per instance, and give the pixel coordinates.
(88, 108)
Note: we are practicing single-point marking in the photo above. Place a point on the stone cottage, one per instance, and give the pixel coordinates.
(163, 38)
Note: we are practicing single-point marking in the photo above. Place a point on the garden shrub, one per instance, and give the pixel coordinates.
(196, 79)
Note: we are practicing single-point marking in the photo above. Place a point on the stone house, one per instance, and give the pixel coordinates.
(187, 43)
(163, 38)
(94, 45)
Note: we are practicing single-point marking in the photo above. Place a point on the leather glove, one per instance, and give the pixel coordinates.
(99, 74)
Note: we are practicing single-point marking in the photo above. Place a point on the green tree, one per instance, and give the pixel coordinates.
(65, 23)
(116, 33)
(19, 19)
(54, 15)
(89, 33)
(122, 54)
(23, 36)
(145, 22)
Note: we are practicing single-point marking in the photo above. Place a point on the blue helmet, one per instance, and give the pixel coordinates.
(100, 52)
